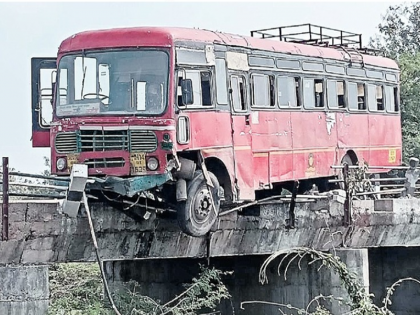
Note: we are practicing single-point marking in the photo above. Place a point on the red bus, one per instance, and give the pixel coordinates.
(196, 117)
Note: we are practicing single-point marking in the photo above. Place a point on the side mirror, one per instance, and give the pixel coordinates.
(187, 92)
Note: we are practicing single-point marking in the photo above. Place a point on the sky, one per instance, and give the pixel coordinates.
(36, 29)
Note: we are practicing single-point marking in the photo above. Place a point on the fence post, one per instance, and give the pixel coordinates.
(347, 202)
(5, 212)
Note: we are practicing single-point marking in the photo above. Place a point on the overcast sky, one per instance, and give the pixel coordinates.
(37, 29)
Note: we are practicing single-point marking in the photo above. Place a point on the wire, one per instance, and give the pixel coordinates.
(95, 243)
(135, 203)
(109, 198)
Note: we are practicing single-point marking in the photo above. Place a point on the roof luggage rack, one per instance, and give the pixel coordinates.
(316, 35)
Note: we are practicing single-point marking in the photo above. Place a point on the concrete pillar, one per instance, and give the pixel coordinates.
(24, 290)
(357, 262)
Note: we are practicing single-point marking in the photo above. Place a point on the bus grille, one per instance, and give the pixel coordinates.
(66, 142)
(106, 162)
(103, 140)
(142, 140)
(106, 140)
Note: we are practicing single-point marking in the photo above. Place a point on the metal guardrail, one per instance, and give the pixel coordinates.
(386, 185)
(48, 190)
(5, 204)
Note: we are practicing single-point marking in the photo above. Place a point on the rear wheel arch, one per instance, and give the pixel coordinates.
(350, 156)
(218, 168)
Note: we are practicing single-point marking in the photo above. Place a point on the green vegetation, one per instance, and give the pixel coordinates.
(399, 38)
(359, 301)
(77, 289)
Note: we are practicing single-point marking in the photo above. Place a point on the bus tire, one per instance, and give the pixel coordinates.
(197, 214)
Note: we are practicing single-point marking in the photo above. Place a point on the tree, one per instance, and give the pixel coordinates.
(399, 38)
(410, 103)
(399, 30)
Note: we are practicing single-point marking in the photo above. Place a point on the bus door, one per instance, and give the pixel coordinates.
(43, 79)
(241, 137)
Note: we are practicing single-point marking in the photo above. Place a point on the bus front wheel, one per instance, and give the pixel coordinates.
(198, 213)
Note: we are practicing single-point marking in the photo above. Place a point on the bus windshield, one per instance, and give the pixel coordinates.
(113, 83)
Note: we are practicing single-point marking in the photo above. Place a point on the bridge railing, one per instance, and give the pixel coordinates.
(399, 181)
(27, 187)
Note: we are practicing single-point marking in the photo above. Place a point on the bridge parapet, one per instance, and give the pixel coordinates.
(39, 233)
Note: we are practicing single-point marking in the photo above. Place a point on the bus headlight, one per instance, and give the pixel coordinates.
(61, 164)
(152, 164)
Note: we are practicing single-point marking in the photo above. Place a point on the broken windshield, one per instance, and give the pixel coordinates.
(113, 82)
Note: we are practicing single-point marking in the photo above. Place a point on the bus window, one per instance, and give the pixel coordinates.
(335, 94)
(206, 88)
(242, 92)
(201, 83)
(356, 96)
(297, 91)
(313, 93)
(272, 91)
(319, 93)
(396, 100)
(375, 97)
(308, 93)
(380, 97)
(391, 98)
(237, 85)
(221, 86)
(340, 94)
(260, 90)
(361, 99)
(288, 92)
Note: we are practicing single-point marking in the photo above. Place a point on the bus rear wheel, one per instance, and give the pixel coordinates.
(199, 212)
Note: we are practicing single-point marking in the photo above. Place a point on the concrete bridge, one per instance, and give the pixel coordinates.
(381, 245)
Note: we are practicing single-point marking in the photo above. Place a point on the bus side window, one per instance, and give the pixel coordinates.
(380, 97)
(206, 98)
(335, 94)
(260, 90)
(319, 93)
(352, 96)
(391, 99)
(238, 93)
(201, 84)
(263, 90)
(361, 99)
(288, 89)
(396, 100)
(308, 93)
(340, 94)
(298, 89)
(221, 86)
(375, 97)
(242, 91)
(272, 90)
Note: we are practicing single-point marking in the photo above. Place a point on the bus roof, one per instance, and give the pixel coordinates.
(167, 36)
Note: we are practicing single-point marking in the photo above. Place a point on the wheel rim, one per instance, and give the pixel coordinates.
(202, 206)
